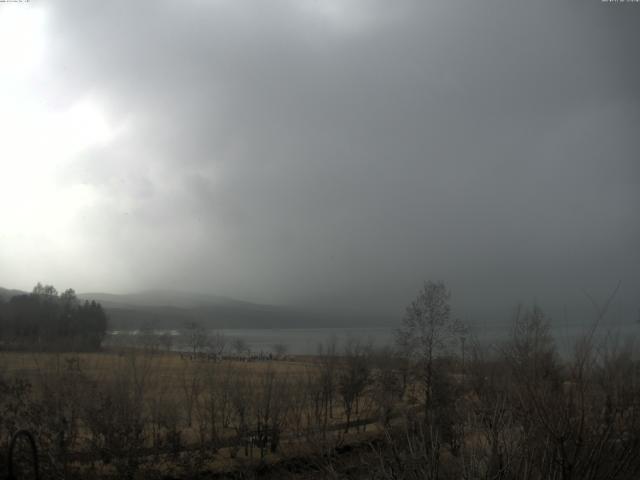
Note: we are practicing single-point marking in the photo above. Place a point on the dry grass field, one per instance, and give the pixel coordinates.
(517, 412)
(123, 412)
(149, 414)
(166, 367)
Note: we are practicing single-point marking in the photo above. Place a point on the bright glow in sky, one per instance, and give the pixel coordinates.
(344, 15)
(320, 151)
(21, 40)
(35, 205)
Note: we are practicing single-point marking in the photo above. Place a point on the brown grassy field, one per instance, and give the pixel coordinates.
(149, 414)
(165, 367)
(167, 408)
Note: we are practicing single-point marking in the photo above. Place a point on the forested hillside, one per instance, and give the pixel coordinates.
(45, 319)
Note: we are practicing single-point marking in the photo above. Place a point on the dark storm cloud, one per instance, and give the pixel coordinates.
(342, 152)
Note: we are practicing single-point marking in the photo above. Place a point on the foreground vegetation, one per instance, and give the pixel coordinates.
(152, 413)
(418, 411)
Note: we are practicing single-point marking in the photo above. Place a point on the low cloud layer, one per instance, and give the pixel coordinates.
(331, 152)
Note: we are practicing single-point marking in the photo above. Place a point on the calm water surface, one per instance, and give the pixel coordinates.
(305, 341)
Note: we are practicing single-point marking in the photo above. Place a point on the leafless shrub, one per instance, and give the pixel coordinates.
(408, 451)
(191, 386)
(115, 416)
(354, 377)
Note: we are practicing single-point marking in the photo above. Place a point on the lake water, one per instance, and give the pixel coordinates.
(305, 341)
(298, 341)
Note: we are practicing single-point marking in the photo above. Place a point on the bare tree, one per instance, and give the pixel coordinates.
(196, 337)
(115, 416)
(387, 382)
(240, 346)
(327, 379)
(427, 332)
(217, 344)
(191, 384)
(354, 377)
(213, 405)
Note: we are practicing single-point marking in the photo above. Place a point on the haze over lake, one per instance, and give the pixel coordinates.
(306, 341)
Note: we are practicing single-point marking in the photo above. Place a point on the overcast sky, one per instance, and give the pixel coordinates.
(323, 152)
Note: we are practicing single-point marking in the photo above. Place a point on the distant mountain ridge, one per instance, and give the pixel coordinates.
(174, 309)
(6, 293)
(161, 298)
(169, 309)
